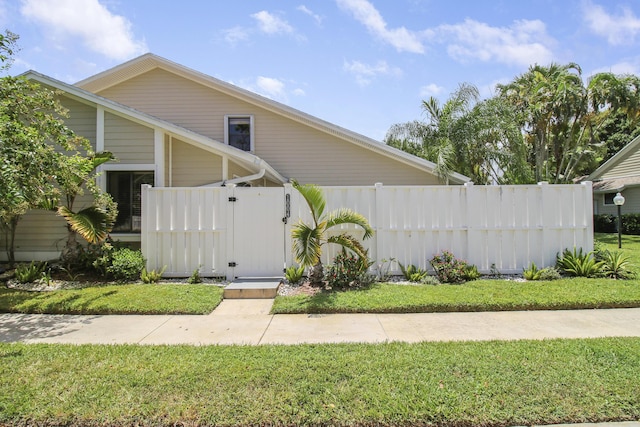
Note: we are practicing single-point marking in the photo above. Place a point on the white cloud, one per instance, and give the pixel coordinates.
(366, 73)
(299, 92)
(272, 24)
(271, 87)
(523, 43)
(431, 90)
(235, 35)
(620, 29)
(400, 38)
(620, 68)
(304, 9)
(91, 22)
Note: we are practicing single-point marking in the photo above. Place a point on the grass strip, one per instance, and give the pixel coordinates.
(479, 295)
(440, 384)
(115, 299)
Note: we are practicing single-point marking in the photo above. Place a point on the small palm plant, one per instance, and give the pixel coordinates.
(309, 238)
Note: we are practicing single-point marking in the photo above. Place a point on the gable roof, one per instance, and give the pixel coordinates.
(617, 183)
(149, 61)
(247, 160)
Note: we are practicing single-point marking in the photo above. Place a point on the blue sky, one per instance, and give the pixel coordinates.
(361, 64)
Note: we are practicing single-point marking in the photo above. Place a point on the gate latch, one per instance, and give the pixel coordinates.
(233, 199)
(287, 208)
(233, 264)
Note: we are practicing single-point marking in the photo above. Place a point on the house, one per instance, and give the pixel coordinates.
(621, 173)
(171, 126)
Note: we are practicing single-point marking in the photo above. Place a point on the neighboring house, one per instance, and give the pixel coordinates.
(621, 173)
(170, 126)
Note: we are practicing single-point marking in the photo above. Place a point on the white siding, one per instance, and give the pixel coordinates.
(130, 142)
(631, 203)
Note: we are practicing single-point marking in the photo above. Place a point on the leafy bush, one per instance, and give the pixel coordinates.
(195, 278)
(631, 224)
(616, 265)
(294, 274)
(382, 269)
(550, 273)
(27, 273)
(429, 280)
(604, 223)
(349, 271)
(449, 269)
(126, 264)
(413, 273)
(152, 276)
(531, 273)
(579, 264)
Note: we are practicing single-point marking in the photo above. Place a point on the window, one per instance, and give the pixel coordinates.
(125, 188)
(238, 132)
(608, 199)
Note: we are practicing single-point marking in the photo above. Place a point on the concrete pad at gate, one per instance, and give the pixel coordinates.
(203, 330)
(235, 307)
(324, 328)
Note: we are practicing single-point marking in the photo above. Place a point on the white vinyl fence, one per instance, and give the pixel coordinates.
(231, 231)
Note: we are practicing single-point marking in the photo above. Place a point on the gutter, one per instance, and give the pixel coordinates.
(237, 180)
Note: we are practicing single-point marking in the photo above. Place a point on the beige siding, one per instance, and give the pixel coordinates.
(631, 203)
(193, 166)
(82, 119)
(295, 150)
(629, 166)
(130, 142)
(39, 231)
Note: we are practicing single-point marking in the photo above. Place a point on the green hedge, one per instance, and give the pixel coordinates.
(605, 223)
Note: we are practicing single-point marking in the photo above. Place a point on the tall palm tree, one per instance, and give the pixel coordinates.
(309, 238)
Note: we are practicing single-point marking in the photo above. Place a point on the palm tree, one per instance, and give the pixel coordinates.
(309, 238)
(94, 222)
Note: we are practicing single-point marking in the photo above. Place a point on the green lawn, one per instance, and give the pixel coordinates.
(442, 384)
(480, 295)
(115, 299)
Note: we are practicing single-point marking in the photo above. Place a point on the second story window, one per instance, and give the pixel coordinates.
(238, 132)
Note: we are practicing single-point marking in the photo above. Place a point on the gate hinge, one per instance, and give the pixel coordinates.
(233, 264)
(233, 199)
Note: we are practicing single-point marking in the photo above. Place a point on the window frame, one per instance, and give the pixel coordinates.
(604, 199)
(251, 129)
(133, 168)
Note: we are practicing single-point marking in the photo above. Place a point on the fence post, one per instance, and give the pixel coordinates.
(145, 226)
(380, 206)
(544, 223)
(587, 188)
(230, 250)
(472, 237)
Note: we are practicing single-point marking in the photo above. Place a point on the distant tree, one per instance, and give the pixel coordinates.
(560, 115)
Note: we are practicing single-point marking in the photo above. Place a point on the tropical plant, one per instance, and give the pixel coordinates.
(531, 273)
(152, 276)
(616, 265)
(93, 223)
(579, 263)
(27, 273)
(349, 270)
(413, 273)
(381, 269)
(449, 269)
(294, 274)
(309, 238)
(195, 278)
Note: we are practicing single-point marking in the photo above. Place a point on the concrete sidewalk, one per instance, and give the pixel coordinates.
(249, 322)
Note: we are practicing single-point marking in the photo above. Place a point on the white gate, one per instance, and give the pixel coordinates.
(258, 232)
(222, 231)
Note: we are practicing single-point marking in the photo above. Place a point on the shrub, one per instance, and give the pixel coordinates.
(294, 274)
(382, 269)
(413, 273)
(604, 223)
(152, 276)
(126, 264)
(531, 273)
(195, 278)
(27, 273)
(550, 273)
(449, 269)
(349, 271)
(429, 280)
(631, 224)
(616, 265)
(579, 264)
